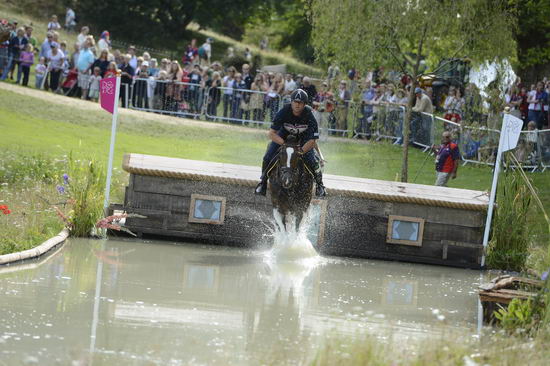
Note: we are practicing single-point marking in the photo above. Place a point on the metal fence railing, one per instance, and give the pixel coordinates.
(477, 144)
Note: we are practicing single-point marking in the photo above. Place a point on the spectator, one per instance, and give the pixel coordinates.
(205, 52)
(290, 86)
(213, 94)
(104, 42)
(81, 38)
(453, 107)
(247, 78)
(111, 70)
(247, 54)
(173, 89)
(153, 67)
(333, 73)
(126, 77)
(94, 84)
(138, 66)
(195, 79)
(191, 53)
(423, 102)
(102, 62)
(342, 106)
(227, 84)
(446, 162)
(26, 60)
(146, 56)
(256, 103)
(140, 98)
(85, 61)
(275, 90)
(53, 25)
(367, 96)
(323, 106)
(70, 20)
(39, 73)
(55, 66)
(74, 56)
(310, 89)
(523, 105)
(419, 129)
(513, 101)
(30, 38)
(536, 99)
(239, 103)
(133, 58)
(16, 46)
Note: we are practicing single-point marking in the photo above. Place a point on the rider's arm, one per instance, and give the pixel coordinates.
(275, 137)
(308, 145)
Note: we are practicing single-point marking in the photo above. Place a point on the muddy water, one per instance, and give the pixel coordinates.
(154, 303)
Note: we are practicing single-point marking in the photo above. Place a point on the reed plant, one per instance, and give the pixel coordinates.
(509, 245)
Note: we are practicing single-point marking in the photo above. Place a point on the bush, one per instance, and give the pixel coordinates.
(509, 246)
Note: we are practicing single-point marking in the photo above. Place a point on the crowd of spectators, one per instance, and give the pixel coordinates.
(196, 84)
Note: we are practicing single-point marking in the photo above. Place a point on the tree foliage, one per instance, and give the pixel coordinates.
(399, 34)
(533, 32)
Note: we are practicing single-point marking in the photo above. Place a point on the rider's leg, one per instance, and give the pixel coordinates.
(267, 163)
(313, 165)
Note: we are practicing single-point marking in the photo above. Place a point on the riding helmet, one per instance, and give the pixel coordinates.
(299, 95)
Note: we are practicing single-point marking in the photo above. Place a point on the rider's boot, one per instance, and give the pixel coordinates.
(261, 188)
(320, 190)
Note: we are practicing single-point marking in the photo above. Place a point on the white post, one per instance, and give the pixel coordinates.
(112, 147)
(492, 197)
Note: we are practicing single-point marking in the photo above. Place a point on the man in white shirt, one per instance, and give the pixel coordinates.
(290, 85)
(70, 19)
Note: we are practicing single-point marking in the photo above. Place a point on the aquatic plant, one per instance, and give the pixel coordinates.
(509, 245)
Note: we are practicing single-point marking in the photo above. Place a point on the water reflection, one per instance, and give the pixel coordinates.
(155, 303)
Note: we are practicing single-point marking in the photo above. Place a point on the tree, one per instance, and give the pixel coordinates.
(399, 34)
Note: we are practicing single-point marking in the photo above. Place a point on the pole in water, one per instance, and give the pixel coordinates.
(110, 105)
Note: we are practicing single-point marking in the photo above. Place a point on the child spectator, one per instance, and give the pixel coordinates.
(27, 60)
(93, 92)
(153, 67)
(39, 73)
(111, 70)
(53, 25)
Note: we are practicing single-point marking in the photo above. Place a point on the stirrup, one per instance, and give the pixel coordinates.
(261, 189)
(320, 191)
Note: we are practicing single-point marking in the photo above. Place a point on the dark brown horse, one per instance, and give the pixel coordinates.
(291, 183)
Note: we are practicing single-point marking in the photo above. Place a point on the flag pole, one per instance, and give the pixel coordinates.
(112, 146)
(492, 198)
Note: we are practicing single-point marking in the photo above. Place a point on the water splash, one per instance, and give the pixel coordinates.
(291, 244)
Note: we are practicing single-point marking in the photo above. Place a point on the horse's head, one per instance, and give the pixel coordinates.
(289, 160)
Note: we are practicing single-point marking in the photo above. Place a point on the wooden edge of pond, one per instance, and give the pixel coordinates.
(243, 175)
(37, 251)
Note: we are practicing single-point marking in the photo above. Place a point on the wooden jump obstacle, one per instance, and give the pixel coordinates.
(367, 218)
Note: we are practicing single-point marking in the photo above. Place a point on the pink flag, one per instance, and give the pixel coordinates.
(107, 94)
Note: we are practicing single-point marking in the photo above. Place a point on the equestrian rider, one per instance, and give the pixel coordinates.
(294, 119)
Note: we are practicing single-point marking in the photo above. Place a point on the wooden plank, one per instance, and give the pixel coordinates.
(346, 186)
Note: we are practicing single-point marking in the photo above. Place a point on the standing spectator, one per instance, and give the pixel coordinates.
(53, 25)
(247, 78)
(310, 89)
(423, 105)
(4, 52)
(173, 89)
(94, 84)
(352, 74)
(191, 53)
(85, 61)
(523, 105)
(153, 67)
(332, 74)
(205, 52)
(247, 54)
(367, 111)
(323, 106)
(195, 79)
(81, 38)
(446, 162)
(70, 20)
(227, 83)
(26, 60)
(126, 77)
(290, 86)
(104, 42)
(74, 56)
(536, 99)
(453, 106)
(342, 106)
(513, 100)
(16, 46)
(111, 70)
(30, 38)
(102, 62)
(274, 93)
(39, 73)
(159, 96)
(239, 104)
(55, 66)
(140, 98)
(213, 85)
(257, 99)
(133, 58)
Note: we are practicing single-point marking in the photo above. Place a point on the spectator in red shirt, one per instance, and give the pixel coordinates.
(191, 53)
(446, 162)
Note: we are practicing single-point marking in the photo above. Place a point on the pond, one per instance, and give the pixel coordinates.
(130, 301)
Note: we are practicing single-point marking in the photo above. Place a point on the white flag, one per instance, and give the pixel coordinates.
(511, 129)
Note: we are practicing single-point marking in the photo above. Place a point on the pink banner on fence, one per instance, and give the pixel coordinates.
(107, 94)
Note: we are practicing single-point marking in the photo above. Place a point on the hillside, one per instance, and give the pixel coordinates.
(219, 47)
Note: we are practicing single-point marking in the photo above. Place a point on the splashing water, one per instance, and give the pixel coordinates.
(291, 244)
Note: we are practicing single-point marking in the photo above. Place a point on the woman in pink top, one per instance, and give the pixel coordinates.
(27, 60)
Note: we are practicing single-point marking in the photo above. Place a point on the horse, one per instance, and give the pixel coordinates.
(291, 184)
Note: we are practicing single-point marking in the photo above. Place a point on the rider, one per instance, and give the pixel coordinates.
(294, 119)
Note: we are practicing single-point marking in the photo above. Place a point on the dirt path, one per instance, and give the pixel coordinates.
(91, 106)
